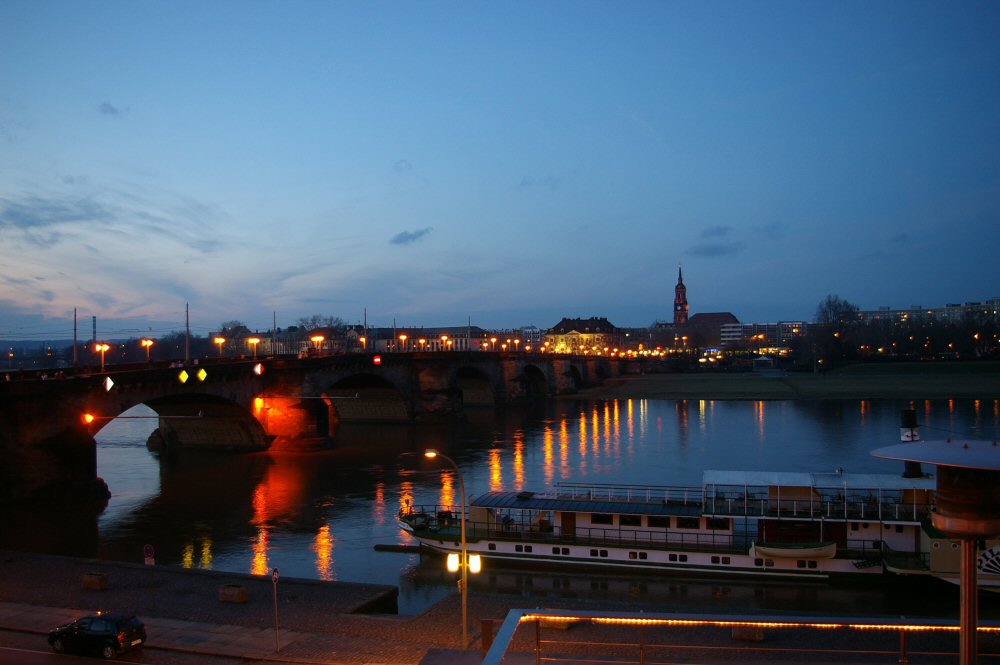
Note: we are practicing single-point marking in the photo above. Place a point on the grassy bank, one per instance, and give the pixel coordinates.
(878, 381)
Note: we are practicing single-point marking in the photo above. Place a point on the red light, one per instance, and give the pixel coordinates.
(88, 418)
(376, 360)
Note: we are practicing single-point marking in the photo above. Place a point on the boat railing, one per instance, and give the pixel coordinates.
(848, 507)
(632, 493)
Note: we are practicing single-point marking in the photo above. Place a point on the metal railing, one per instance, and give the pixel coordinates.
(655, 639)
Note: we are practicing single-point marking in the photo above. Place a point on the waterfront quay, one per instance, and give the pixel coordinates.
(188, 620)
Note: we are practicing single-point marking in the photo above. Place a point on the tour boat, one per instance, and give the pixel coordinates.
(737, 523)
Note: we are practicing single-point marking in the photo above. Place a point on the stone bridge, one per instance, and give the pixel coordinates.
(47, 447)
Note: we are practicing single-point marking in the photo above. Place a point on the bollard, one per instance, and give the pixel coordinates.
(233, 593)
(95, 581)
(487, 631)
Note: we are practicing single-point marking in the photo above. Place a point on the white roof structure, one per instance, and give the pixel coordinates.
(830, 480)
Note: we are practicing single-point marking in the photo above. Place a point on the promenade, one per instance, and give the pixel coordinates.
(319, 622)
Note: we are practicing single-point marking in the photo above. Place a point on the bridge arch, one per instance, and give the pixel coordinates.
(476, 387)
(202, 421)
(364, 397)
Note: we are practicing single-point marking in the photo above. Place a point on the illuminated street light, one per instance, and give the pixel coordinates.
(516, 342)
(444, 342)
(493, 343)
(148, 343)
(465, 563)
(402, 342)
(421, 342)
(364, 343)
(318, 341)
(253, 342)
(102, 348)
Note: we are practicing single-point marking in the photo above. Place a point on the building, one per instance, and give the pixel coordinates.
(694, 331)
(595, 334)
(680, 300)
(761, 335)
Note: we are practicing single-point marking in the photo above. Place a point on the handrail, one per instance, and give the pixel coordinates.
(868, 636)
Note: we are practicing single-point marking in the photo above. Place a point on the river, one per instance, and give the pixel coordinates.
(318, 515)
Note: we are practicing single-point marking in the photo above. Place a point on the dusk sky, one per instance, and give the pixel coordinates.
(511, 163)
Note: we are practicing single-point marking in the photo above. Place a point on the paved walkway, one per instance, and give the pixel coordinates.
(324, 622)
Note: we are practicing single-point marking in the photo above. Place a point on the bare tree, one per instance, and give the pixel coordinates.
(836, 310)
(319, 321)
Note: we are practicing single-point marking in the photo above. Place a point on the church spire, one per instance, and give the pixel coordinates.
(680, 300)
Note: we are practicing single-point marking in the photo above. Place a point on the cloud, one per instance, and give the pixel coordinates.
(35, 212)
(531, 182)
(714, 249)
(107, 108)
(716, 232)
(774, 230)
(407, 237)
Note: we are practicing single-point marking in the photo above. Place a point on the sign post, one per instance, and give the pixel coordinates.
(274, 579)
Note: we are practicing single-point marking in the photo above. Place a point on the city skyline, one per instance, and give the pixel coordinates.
(508, 165)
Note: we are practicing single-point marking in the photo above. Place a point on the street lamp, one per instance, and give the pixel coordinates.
(402, 342)
(102, 348)
(318, 341)
(364, 343)
(493, 343)
(220, 341)
(253, 342)
(465, 563)
(148, 343)
(444, 342)
(421, 341)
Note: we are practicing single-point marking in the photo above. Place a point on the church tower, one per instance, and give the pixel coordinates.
(680, 300)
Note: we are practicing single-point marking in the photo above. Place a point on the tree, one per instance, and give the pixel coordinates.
(836, 311)
(319, 321)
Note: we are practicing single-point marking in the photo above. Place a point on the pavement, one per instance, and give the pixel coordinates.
(339, 623)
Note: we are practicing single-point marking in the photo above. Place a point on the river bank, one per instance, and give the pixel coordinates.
(907, 382)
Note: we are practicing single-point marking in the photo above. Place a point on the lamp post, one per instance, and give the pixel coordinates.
(220, 341)
(318, 341)
(148, 343)
(101, 347)
(364, 343)
(464, 562)
(402, 342)
(253, 342)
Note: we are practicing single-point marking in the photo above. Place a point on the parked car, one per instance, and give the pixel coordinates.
(107, 634)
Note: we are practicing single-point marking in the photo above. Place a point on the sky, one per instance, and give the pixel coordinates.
(500, 163)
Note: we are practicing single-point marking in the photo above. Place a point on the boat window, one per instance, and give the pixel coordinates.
(717, 523)
(630, 520)
(637, 555)
(812, 564)
(677, 557)
(492, 546)
(604, 553)
(688, 522)
(602, 518)
(758, 562)
(565, 550)
(593, 552)
(658, 522)
(518, 548)
(555, 550)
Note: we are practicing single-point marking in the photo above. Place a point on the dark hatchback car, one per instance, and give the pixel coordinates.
(106, 634)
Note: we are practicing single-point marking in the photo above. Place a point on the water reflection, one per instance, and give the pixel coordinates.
(319, 515)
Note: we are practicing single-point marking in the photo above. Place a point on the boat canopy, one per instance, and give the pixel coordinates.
(828, 480)
(584, 504)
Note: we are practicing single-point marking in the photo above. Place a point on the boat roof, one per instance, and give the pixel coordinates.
(823, 480)
(584, 504)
